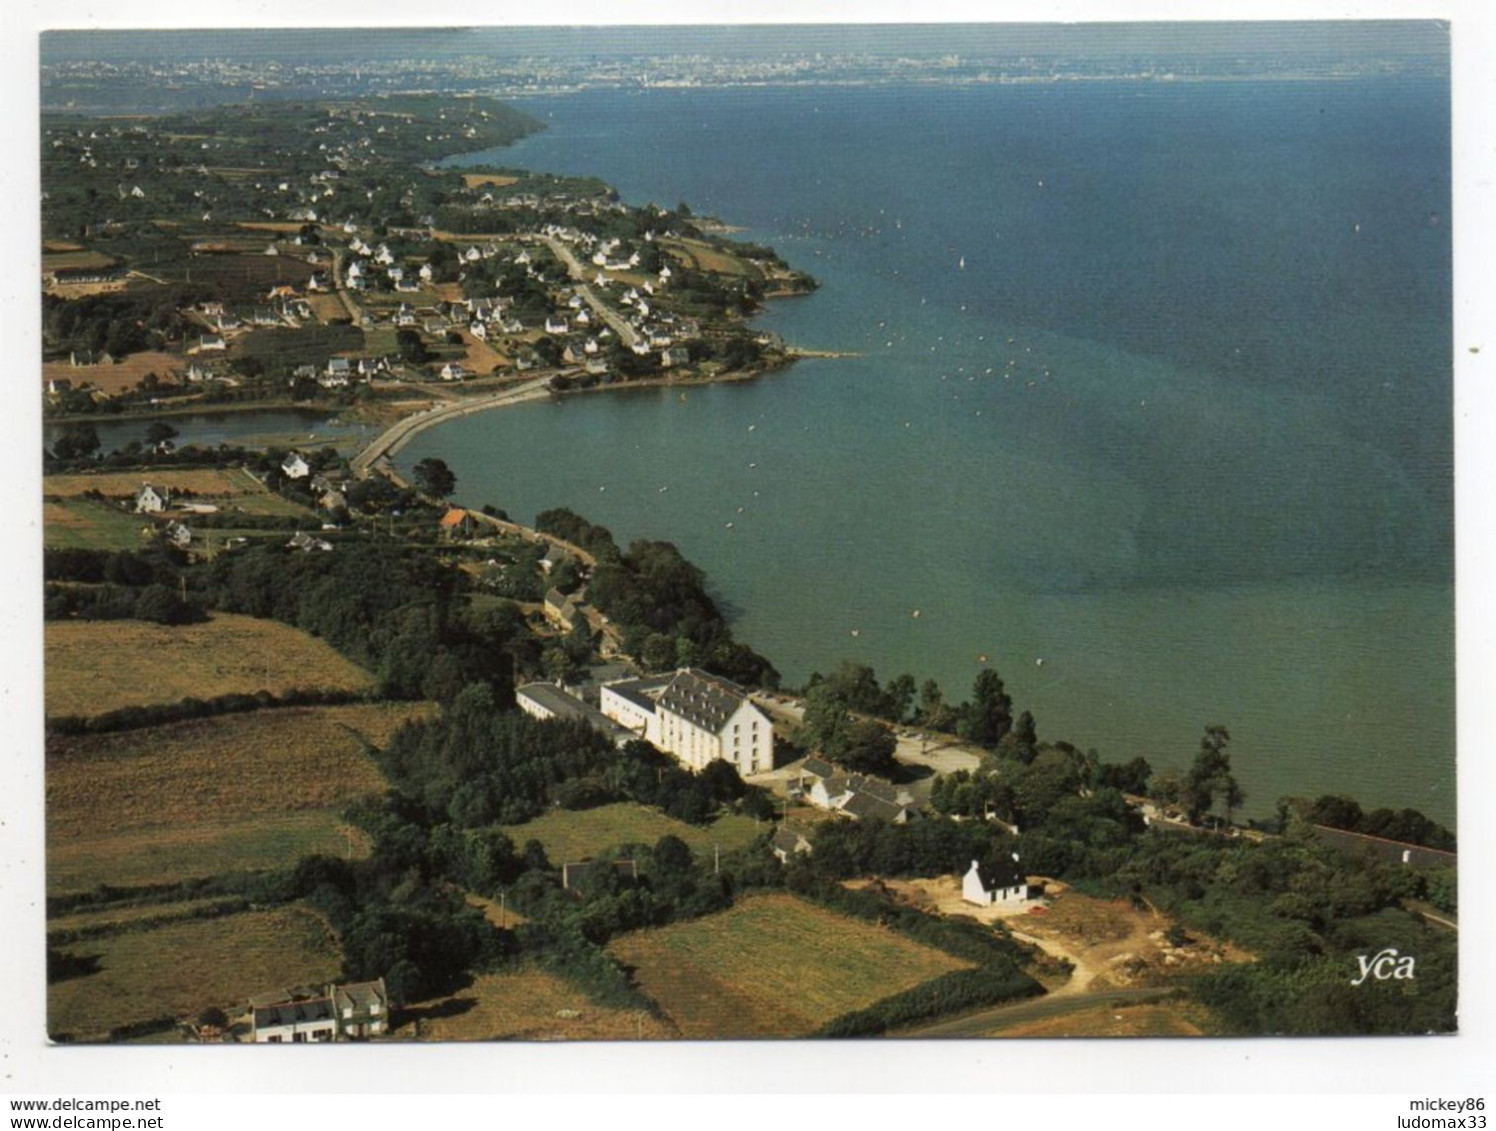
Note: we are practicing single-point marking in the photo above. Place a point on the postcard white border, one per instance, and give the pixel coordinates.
(1424, 1065)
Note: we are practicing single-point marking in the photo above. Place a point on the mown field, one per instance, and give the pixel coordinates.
(498, 180)
(97, 666)
(171, 855)
(117, 378)
(705, 257)
(526, 1005)
(92, 525)
(570, 835)
(219, 483)
(117, 920)
(77, 257)
(773, 966)
(178, 969)
(206, 796)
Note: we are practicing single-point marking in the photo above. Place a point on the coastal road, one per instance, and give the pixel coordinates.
(395, 437)
(354, 312)
(578, 272)
(983, 1022)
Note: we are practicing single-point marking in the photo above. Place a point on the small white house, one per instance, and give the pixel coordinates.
(151, 500)
(295, 467)
(987, 888)
(309, 1020)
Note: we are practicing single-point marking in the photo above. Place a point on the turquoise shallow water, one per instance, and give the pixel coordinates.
(1153, 385)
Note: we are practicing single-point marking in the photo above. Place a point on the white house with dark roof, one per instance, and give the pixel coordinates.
(302, 1020)
(698, 717)
(352, 1012)
(992, 886)
(362, 1008)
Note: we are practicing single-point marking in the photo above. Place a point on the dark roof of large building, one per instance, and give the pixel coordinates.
(706, 701)
(639, 691)
(564, 706)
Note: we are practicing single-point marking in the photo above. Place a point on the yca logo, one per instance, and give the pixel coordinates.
(1384, 964)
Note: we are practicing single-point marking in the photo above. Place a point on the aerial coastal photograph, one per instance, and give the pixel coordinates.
(689, 533)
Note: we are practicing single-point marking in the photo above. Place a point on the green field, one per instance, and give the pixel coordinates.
(93, 525)
(773, 966)
(570, 835)
(206, 796)
(154, 856)
(179, 969)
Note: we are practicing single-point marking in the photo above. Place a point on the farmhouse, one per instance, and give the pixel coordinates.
(363, 1009)
(457, 523)
(297, 1021)
(151, 500)
(700, 718)
(353, 1012)
(561, 608)
(790, 840)
(295, 467)
(304, 542)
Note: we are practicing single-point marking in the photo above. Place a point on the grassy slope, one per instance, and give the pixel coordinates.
(98, 666)
(179, 969)
(575, 835)
(773, 966)
(212, 795)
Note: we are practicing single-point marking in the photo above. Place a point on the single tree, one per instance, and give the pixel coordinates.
(990, 714)
(434, 477)
(1210, 780)
(158, 431)
(76, 441)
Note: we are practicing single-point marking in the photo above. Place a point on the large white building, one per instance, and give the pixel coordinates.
(697, 717)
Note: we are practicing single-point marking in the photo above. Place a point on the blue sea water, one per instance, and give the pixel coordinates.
(1153, 384)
